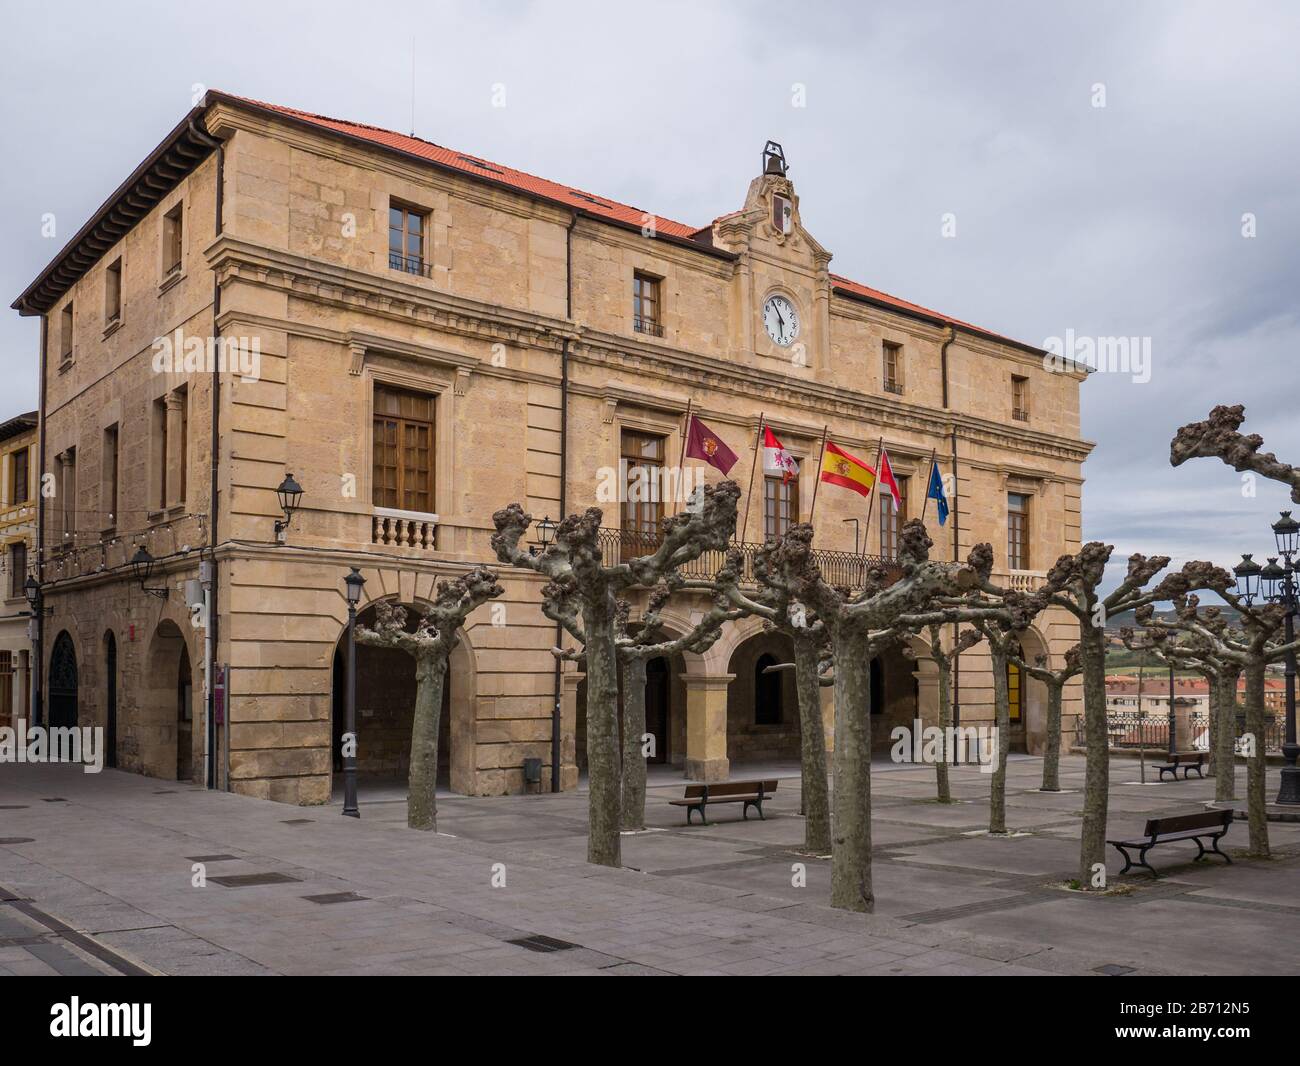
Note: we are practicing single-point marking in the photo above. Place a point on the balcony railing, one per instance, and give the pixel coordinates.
(845, 569)
(896, 387)
(1020, 414)
(404, 529)
(410, 264)
(647, 325)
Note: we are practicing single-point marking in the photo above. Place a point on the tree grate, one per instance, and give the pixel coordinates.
(335, 897)
(247, 880)
(17, 840)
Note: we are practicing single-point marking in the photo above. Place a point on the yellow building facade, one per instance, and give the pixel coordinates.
(19, 483)
(419, 337)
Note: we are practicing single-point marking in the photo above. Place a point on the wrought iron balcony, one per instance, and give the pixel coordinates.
(896, 387)
(647, 325)
(410, 264)
(846, 569)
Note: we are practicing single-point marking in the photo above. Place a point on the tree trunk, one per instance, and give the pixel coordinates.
(812, 750)
(1096, 787)
(1002, 719)
(1225, 758)
(422, 780)
(944, 663)
(1255, 763)
(851, 851)
(634, 763)
(602, 732)
(1052, 748)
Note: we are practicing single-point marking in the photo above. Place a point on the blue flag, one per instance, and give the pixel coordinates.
(935, 492)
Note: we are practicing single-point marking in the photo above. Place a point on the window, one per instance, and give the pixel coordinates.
(113, 292)
(159, 441)
(1013, 691)
(17, 568)
(1019, 398)
(20, 463)
(893, 367)
(646, 308)
(173, 239)
(1017, 531)
(767, 692)
(65, 334)
(6, 688)
(780, 506)
(406, 230)
(109, 501)
(403, 450)
(642, 456)
(67, 498)
(892, 518)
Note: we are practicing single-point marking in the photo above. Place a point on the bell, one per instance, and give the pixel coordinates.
(774, 160)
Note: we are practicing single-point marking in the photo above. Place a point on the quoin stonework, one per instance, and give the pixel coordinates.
(438, 335)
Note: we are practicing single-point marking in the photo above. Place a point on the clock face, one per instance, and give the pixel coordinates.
(781, 320)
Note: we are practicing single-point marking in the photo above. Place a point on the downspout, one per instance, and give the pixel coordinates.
(211, 628)
(38, 633)
(557, 722)
(956, 525)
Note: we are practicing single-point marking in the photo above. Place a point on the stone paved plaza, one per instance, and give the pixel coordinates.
(96, 871)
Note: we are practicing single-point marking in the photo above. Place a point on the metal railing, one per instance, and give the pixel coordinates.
(410, 264)
(647, 325)
(1020, 414)
(896, 387)
(845, 569)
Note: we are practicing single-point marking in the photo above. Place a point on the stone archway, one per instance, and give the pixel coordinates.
(386, 708)
(110, 700)
(166, 733)
(762, 709)
(1029, 734)
(63, 685)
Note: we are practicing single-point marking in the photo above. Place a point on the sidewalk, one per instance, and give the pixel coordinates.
(305, 891)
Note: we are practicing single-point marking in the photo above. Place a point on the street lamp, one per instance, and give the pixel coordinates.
(1247, 574)
(545, 531)
(1280, 587)
(354, 583)
(142, 568)
(289, 495)
(32, 590)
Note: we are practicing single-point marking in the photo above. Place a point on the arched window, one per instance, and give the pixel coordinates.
(767, 693)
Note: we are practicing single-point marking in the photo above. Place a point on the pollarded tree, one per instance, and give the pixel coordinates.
(772, 602)
(1172, 643)
(579, 575)
(1218, 437)
(944, 660)
(1254, 646)
(1074, 583)
(430, 644)
(851, 623)
(1055, 680)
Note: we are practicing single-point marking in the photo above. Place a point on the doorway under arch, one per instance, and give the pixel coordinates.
(162, 734)
(63, 682)
(110, 700)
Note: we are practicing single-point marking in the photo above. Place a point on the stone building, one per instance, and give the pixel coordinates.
(420, 336)
(18, 485)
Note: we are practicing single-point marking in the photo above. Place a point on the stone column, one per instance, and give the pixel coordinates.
(176, 445)
(569, 682)
(706, 727)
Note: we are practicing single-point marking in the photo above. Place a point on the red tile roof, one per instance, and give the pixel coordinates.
(590, 203)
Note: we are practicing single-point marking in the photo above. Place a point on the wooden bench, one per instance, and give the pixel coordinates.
(1209, 825)
(750, 793)
(1187, 760)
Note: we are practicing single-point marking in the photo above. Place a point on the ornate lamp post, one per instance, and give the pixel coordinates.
(1173, 715)
(142, 568)
(1281, 585)
(354, 583)
(32, 590)
(545, 531)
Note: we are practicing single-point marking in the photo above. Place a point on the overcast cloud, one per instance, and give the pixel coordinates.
(1123, 220)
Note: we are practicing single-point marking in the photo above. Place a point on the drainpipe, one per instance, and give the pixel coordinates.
(557, 721)
(211, 589)
(38, 631)
(956, 549)
(943, 361)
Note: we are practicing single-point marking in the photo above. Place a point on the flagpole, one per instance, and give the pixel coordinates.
(681, 458)
(818, 483)
(758, 442)
(925, 503)
(871, 496)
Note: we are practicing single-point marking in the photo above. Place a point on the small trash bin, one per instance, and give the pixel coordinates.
(532, 774)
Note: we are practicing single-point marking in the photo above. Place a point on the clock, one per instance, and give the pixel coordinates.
(781, 320)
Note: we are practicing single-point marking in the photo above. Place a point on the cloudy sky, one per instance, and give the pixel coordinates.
(1122, 220)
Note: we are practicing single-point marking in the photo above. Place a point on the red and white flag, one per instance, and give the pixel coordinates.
(776, 460)
(885, 476)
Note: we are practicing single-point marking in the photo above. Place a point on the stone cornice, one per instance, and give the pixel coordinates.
(402, 301)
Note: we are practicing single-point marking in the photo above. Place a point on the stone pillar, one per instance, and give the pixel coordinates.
(569, 682)
(706, 727)
(176, 445)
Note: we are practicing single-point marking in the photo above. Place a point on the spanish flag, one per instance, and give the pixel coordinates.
(841, 468)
